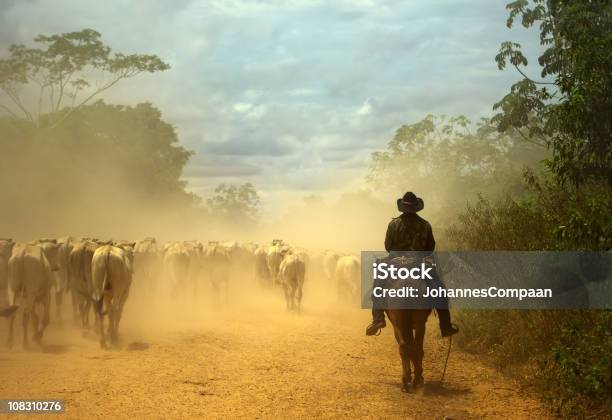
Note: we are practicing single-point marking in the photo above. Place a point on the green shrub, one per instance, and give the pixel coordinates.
(566, 355)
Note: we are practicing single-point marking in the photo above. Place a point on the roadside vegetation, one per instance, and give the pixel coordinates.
(539, 180)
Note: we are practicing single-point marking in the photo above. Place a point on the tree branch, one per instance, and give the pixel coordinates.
(15, 98)
(61, 90)
(530, 79)
(95, 93)
(529, 140)
(8, 110)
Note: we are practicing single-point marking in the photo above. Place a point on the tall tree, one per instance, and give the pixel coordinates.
(235, 203)
(570, 108)
(451, 160)
(61, 71)
(104, 160)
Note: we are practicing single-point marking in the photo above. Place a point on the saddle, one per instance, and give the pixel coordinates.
(418, 286)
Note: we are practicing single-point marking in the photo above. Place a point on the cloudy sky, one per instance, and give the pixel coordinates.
(292, 95)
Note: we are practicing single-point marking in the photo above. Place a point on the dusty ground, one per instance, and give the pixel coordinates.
(252, 361)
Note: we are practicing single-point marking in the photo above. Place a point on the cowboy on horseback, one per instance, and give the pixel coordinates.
(405, 233)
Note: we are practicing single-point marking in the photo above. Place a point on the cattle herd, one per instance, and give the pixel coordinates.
(99, 276)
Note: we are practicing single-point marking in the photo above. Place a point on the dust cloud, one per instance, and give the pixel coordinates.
(49, 193)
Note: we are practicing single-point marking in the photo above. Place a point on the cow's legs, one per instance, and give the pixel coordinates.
(46, 305)
(299, 297)
(117, 313)
(84, 308)
(81, 308)
(35, 325)
(100, 322)
(26, 320)
(9, 341)
(76, 317)
(112, 323)
(58, 305)
(287, 296)
(292, 297)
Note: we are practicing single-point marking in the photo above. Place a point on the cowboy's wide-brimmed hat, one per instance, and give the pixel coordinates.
(410, 203)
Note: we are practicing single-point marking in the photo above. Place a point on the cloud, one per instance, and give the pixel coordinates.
(365, 109)
(292, 93)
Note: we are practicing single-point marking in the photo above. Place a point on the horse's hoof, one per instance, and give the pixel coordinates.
(407, 388)
(418, 382)
(406, 385)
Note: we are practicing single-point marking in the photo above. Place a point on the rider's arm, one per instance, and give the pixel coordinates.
(389, 238)
(431, 242)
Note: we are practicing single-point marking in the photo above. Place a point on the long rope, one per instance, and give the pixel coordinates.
(450, 344)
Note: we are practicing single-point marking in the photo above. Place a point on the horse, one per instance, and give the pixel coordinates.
(409, 322)
(409, 330)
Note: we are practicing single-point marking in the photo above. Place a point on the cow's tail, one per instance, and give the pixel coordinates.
(98, 302)
(301, 273)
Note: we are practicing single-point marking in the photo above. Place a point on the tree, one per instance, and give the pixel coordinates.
(60, 71)
(570, 110)
(450, 160)
(103, 160)
(235, 202)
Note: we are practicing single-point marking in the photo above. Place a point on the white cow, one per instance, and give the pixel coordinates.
(347, 275)
(274, 257)
(291, 276)
(111, 280)
(216, 266)
(260, 268)
(62, 275)
(80, 280)
(146, 263)
(329, 260)
(181, 266)
(6, 247)
(30, 278)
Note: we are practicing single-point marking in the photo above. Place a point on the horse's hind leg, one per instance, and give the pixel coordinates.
(417, 354)
(404, 351)
(406, 376)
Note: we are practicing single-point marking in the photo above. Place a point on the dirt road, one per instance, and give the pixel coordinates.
(252, 362)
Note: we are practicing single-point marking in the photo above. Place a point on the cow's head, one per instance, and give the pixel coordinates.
(51, 252)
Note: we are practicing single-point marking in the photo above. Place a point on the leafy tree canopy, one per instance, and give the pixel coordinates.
(450, 160)
(235, 203)
(100, 159)
(61, 70)
(571, 108)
